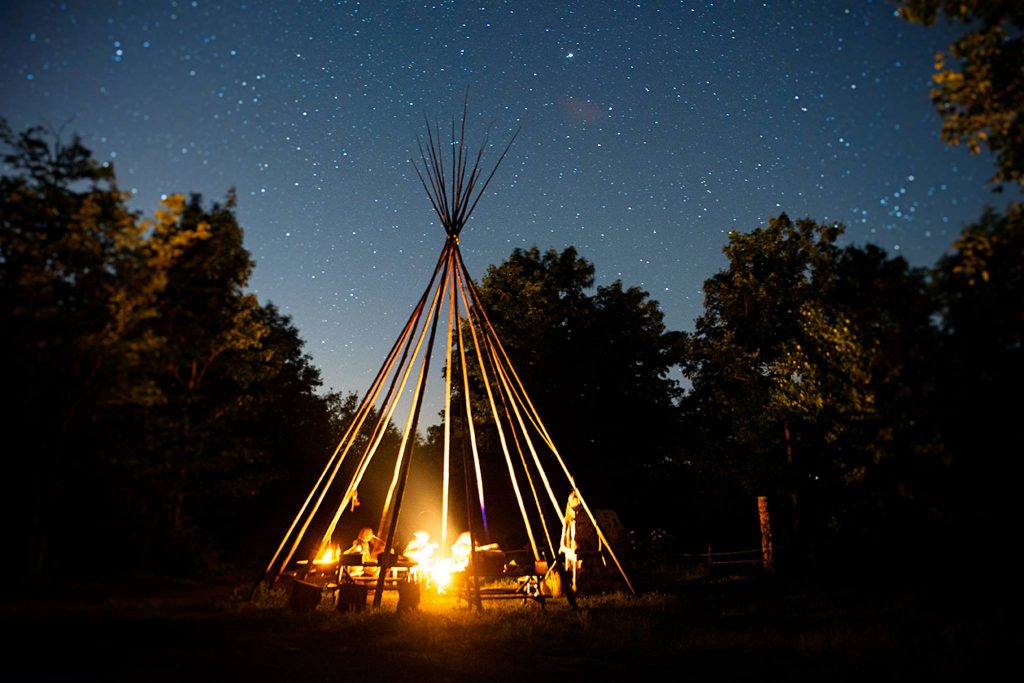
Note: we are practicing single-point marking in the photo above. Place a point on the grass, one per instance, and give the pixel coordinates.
(730, 628)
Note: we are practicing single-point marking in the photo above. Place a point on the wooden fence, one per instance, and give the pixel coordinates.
(758, 558)
(753, 558)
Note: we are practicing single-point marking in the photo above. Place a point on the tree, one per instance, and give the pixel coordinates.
(597, 366)
(287, 429)
(978, 287)
(79, 278)
(753, 311)
(151, 394)
(979, 82)
(799, 366)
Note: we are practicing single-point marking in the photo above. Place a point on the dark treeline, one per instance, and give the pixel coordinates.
(870, 401)
(157, 415)
(150, 403)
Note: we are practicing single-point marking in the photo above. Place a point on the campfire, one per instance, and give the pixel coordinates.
(435, 571)
(329, 555)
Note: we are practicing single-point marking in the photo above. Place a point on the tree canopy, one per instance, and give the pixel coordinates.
(980, 95)
(150, 393)
(978, 82)
(809, 366)
(597, 363)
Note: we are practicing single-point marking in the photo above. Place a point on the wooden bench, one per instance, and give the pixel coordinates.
(529, 587)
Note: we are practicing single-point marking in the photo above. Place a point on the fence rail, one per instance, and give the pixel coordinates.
(753, 557)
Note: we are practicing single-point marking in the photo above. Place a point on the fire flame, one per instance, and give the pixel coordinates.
(329, 555)
(441, 574)
(437, 572)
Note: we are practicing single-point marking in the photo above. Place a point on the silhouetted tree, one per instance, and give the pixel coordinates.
(79, 281)
(979, 289)
(980, 95)
(810, 379)
(598, 367)
(149, 393)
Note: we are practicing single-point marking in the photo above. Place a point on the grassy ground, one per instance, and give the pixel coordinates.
(726, 628)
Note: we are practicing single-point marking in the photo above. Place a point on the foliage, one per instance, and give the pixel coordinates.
(597, 366)
(150, 391)
(740, 358)
(977, 286)
(978, 290)
(809, 366)
(979, 82)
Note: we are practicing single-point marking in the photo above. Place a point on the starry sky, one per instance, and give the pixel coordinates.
(649, 130)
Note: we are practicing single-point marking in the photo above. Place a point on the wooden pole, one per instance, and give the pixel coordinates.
(410, 434)
(472, 579)
(766, 533)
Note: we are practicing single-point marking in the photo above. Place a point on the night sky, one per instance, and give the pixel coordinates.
(649, 130)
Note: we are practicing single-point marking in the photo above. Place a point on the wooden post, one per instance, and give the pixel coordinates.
(472, 578)
(766, 533)
(411, 427)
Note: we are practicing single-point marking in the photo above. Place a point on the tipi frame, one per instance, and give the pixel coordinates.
(454, 188)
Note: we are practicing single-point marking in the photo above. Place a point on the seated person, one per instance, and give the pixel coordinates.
(368, 546)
